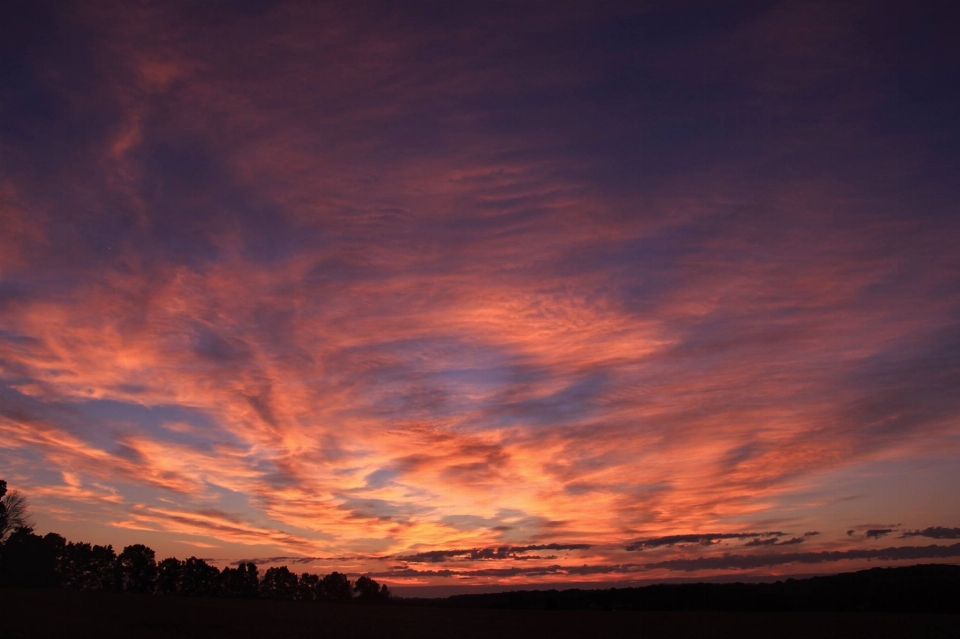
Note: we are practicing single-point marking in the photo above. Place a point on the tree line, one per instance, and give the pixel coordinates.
(27, 559)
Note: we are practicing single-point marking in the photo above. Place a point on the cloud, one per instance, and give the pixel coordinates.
(776, 541)
(494, 280)
(737, 562)
(877, 533)
(500, 573)
(223, 527)
(517, 553)
(934, 532)
(296, 559)
(475, 554)
(705, 539)
(724, 562)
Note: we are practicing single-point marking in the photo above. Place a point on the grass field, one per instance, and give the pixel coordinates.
(25, 614)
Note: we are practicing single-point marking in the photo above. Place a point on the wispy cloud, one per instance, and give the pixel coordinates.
(538, 283)
(474, 554)
(934, 532)
(706, 539)
(729, 562)
(877, 533)
(725, 562)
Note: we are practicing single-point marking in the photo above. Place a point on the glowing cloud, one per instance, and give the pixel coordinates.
(512, 291)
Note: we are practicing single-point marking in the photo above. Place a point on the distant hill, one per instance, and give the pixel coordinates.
(931, 588)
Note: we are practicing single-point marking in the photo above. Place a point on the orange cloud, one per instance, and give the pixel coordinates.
(354, 299)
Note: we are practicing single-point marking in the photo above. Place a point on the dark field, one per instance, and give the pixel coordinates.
(57, 613)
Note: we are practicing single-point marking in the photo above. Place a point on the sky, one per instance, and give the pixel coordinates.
(485, 293)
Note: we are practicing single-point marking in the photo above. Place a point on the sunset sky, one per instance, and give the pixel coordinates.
(485, 293)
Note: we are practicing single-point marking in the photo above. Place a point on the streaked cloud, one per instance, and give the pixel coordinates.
(877, 533)
(473, 554)
(513, 291)
(934, 532)
(704, 539)
(725, 562)
(911, 553)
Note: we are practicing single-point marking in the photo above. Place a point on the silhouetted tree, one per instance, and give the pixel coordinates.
(86, 567)
(198, 579)
(169, 574)
(29, 559)
(74, 566)
(369, 591)
(13, 511)
(26, 559)
(279, 583)
(309, 587)
(138, 569)
(105, 568)
(336, 587)
(241, 581)
(250, 580)
(3, 507)
(56, 546)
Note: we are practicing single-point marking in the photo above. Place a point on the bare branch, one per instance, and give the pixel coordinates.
(15, 513)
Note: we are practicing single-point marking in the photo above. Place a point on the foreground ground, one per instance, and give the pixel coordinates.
(55, 613)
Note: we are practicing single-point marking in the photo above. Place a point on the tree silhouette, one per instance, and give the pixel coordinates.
(241, 581)
(279, 583)
(369, 591)
(13, 511)
(335, 587)
(76, 567)
(86, 567)
(198, 579)
(30, 560)
(169, 574)
(309, 587)
(105, 567)
(3, 507)
(138, 569)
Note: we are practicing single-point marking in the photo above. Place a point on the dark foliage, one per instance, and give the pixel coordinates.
(138, 569)
(241, 582)
(169, 572)
(369, 591)
(28, 560)
(13, 511)
(86, 567)
(308, 589)
(279, 583)
(198, 579)
(335, 587)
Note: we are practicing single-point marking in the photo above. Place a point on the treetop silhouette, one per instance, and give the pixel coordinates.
(27, 559)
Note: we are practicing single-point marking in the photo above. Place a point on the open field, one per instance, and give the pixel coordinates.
(57, 613)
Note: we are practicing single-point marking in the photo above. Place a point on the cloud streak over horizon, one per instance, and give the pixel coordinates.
(459, 284)
(724, 562)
